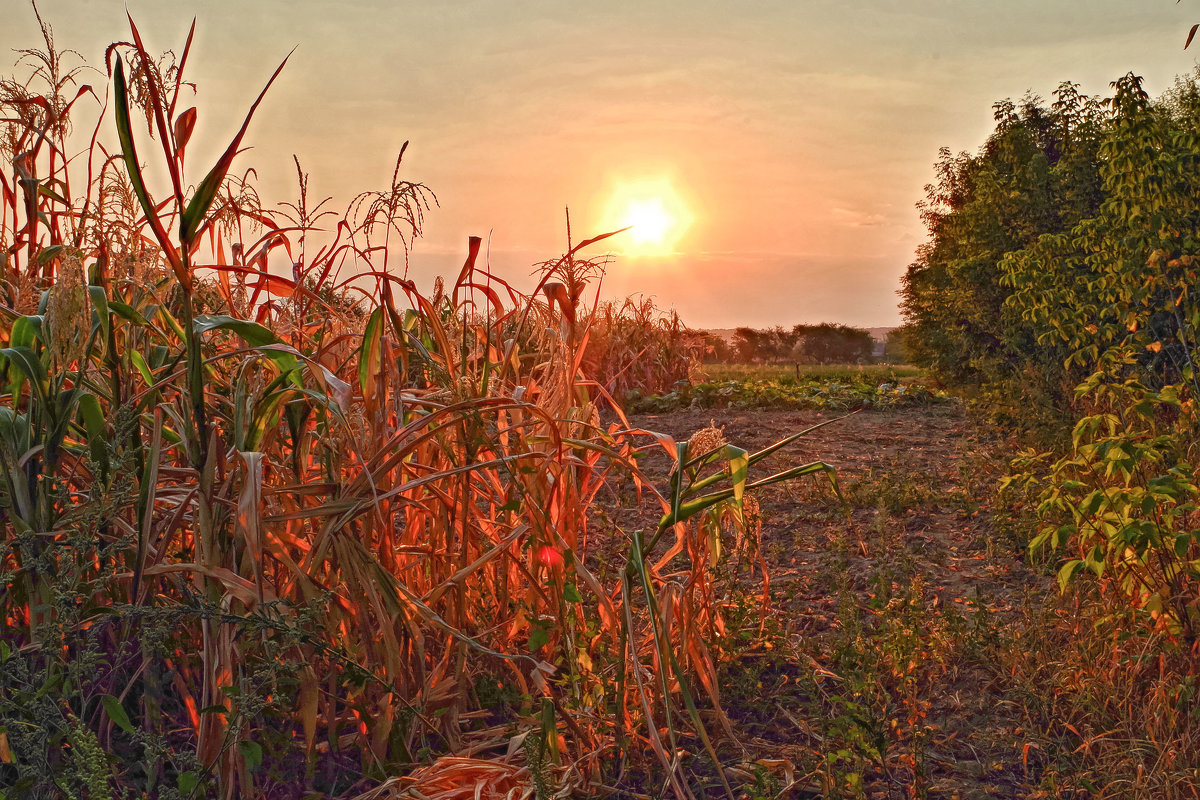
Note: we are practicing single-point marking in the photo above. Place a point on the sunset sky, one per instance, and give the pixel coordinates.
(796, 135)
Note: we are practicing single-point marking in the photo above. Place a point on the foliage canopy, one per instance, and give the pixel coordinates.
(1060, 279)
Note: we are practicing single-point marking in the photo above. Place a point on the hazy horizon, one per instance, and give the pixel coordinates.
(798, 136)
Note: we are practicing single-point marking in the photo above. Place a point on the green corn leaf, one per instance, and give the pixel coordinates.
(31, 369)
(686, 510)
(739, 463)
(677, 491)
(169, 318)
(284, 356)
(191, 222)
(161, 356)
(25, 331)
(255, 335)
(264, 419)
(46, 191)
(369, 353)
(93, 423)
(251, 333)
(139, 363)
(766, 451)
(667, 656)
(49, 253)
(100, 308)
(129, 154)
(126, 312)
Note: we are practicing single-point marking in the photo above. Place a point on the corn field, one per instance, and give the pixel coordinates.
(275, 521)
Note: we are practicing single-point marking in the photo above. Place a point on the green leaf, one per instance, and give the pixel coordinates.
(139, 363)
(252, 753)
(251, 332)
(46, 191)
(187, 782)
(191, 222)
(93, 422)
(684, 511)
(285, 357)
(1036, 544)
(369, 352)
(738, 464)
(49, 253)
(129, 152)
(571, 594)
(539, 636)
(127, 312)
(265, 417)
(112, 707)
(1068, 572)
(100, 308)
(31, 368)
(25, 331)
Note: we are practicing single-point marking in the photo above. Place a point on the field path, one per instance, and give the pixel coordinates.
(879, 673)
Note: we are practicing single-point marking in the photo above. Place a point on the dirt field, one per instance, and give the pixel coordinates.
(880, 671)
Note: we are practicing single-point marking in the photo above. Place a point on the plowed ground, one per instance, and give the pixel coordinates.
(879, 666)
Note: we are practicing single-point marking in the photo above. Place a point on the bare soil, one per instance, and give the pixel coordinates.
(879, 673)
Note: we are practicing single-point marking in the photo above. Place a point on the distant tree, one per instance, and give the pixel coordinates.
(895, 351)
(717, 349)
(826, 344)
(832, 344)
(781, 342)
(747, 342)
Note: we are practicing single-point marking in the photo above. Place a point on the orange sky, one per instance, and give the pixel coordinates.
(799, 133)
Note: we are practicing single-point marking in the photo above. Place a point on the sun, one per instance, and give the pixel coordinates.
(649, 221)
(654, 212)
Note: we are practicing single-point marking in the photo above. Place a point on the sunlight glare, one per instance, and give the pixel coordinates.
(650, 221)
(655, 213)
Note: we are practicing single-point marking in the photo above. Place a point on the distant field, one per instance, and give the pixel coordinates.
(834, 387)
(881, 373)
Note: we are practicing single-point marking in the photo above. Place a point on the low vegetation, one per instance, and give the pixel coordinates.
(838, 389)
(844, 373)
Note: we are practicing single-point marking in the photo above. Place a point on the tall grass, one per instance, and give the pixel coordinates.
(308, 528)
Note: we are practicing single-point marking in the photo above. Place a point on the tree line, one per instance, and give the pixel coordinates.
(826, 343)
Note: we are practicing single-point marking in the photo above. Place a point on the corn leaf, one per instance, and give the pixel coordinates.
(191, 222)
